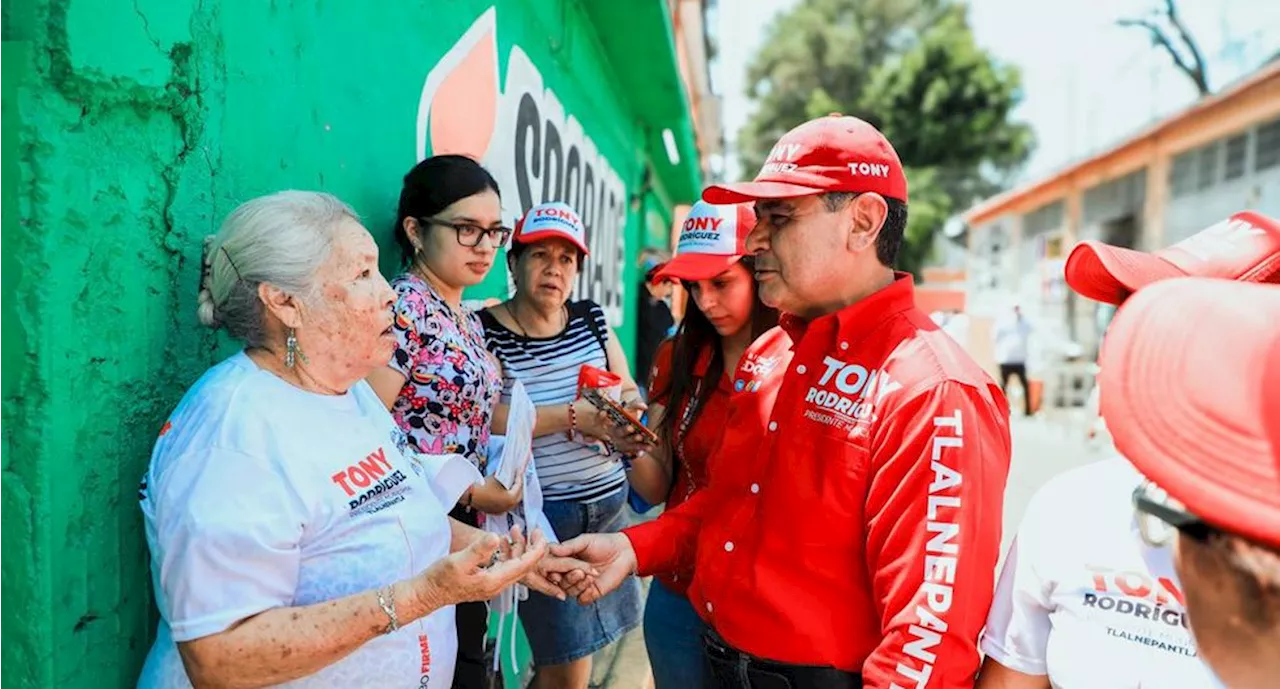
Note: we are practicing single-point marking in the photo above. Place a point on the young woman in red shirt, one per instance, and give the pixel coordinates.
(690, 383)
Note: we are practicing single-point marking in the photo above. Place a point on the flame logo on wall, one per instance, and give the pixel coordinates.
(464, 83)
(535, 149)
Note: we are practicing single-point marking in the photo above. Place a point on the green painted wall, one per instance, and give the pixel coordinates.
(130, 130)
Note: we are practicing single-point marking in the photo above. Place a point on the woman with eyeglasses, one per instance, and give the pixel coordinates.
(441, 384)
(1083, 600)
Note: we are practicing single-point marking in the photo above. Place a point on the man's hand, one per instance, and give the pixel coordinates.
(610, 554)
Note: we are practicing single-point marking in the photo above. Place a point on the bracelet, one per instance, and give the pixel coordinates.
(573, 422)
(389, 608)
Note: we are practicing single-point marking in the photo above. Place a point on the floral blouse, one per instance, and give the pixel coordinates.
(451, 383)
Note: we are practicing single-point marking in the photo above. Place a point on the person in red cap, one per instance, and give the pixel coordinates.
(1191, 375)
(1079, 597)
(855, 544)
(691, 383)
(543, 338)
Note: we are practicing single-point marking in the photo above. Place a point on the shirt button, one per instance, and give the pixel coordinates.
(773, 425)
(728, 547)
(844, 345)
(675, 577)
(755, 488)
(709, 608)
(800, 368)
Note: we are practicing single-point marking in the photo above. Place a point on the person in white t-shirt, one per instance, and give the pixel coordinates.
(293, 541)
(1013, 338)
(1083, 602)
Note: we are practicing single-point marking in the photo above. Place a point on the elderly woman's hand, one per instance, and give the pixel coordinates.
(477, 572)
(552, 574)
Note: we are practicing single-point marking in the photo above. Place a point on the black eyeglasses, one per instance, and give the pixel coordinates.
(1160, 517)
(471, 234)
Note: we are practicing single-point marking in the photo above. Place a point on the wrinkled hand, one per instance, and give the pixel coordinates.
(554, 575)
(611, 555)
(471, 574)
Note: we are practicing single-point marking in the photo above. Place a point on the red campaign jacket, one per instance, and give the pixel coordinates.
(861, 528)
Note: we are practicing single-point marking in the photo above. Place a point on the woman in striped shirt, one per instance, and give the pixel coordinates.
(542, 339)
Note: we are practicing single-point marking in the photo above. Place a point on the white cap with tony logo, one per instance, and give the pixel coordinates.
(712, 238)
(554, 220)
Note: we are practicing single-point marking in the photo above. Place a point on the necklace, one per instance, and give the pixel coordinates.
(564, 314)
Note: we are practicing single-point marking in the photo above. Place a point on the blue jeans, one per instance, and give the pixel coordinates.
(563, 631)
(673, 637)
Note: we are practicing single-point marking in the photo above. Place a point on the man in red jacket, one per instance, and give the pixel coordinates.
(855, 543)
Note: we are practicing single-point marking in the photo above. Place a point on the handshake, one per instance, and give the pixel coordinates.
(586, 567)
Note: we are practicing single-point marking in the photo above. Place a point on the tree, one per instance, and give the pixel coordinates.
(1171, 35)
(912, 68)
(947, 105)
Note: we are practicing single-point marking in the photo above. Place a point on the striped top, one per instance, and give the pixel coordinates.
(548, 367)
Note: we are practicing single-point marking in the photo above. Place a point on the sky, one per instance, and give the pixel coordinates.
(1086, 82)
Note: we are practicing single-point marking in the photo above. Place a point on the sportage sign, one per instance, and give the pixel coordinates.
(536, 150)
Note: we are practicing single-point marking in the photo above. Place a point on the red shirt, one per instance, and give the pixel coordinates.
(698, 441)
(863, 531)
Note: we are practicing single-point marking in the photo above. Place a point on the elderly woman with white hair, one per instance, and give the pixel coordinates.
(293, 538)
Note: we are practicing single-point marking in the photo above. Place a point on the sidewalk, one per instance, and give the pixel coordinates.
(1041, 450)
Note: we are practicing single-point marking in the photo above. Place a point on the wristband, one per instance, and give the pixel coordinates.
(387, 601)
(573, 422)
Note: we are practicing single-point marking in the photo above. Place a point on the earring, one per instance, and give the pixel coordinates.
(290, 349)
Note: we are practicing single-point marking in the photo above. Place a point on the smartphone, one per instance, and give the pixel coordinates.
(618, 413)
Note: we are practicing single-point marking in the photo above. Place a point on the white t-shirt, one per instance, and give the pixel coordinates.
(261, 495)
(1012, 337)
(1084, 600)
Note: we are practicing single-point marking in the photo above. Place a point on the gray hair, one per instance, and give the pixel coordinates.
(280, 239)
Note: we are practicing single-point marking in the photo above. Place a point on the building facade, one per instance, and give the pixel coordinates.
(1182, 174)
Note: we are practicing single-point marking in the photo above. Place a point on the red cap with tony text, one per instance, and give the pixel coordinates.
(712, 239)
(832, 153)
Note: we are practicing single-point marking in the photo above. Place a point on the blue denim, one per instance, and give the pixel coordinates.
(563, 631)
(673, 637)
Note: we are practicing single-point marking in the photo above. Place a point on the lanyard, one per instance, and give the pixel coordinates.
(686, 420)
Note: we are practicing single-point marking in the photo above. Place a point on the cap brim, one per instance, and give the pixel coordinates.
(695, 267)
(742, 192)
(541, 235)
(1110, 274)
(1181, 393)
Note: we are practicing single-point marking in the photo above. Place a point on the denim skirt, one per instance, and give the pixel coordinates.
(563, 631)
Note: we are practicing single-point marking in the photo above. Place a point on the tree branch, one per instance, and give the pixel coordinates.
(1200, 76)
(1193, 72)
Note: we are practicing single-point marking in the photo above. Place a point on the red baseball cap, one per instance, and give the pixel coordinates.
(712, 239)
(1190, 385)
(551, 220)
(1244, 247)
(832, 153)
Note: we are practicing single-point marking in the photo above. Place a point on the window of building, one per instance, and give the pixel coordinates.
(1236, 149)
(1267, 154)
(1208, 172)
(1043, 219)
(1182, 173)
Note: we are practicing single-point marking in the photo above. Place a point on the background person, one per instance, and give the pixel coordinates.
(1013, 339)
(690, 386)
(290, 538)
(542, 338)
(441, 384)
(1069, 585)
(1192, 383)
